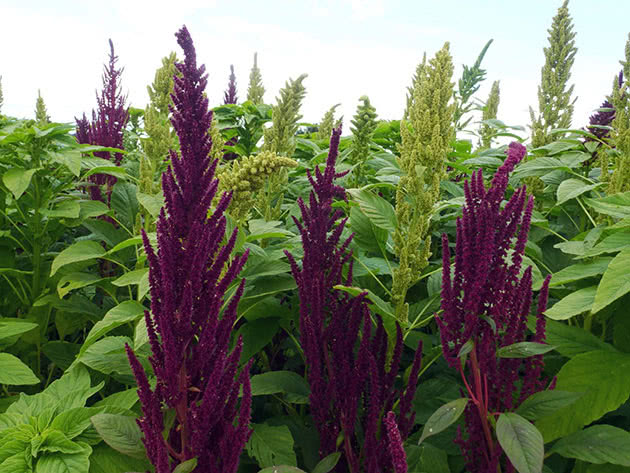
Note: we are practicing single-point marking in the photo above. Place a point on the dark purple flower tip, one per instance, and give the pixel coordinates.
(395, 444)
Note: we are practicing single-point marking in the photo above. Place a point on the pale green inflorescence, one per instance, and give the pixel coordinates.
(363, 126)
(327, 123)
(255, 90)
(41, 114)
(280, 140)
(246, 177)
(414, 84)
(620, 179)
(555, 106)
(426, 134)
(490, 111)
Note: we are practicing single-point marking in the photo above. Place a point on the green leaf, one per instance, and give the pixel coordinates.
(133, 241)
(65, 463)
(92, 208)
(124, 203)
(523, 350)
(367, 235)
(108, 356)
(69, 158)
(521, 442)
(271, 445)
(16, 464)
(74, 281)
(10, 327)
(570, 341)
(292, 385)
(123, 399)
(121, 433)
(327, 463)
(604, 379)
(544, 403)
(596, 444)
(611, 244)
(79, 251)
(61, 353)
(616, 205)
(17, 180)
(615, 282)
(607, 468)
(575, 303)
(380, 212)
(152, 203)
(579, 271)
(125, 312)
(130, 278)
(66, 209)
(445, 416)
(15, 373)
(74, 421)
(257, 334)
(282, 469)
(427, 459)
(105, 459)
(53, 441)
(572, 188)
(109, 170)
(186, 467)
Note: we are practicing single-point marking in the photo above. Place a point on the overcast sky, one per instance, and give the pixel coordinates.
(348, 48)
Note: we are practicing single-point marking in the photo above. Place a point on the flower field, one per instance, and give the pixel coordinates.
(223, 288)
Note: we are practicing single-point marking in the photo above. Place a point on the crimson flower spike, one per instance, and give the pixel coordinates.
(485, 304)
(197, 374)
(351, 380)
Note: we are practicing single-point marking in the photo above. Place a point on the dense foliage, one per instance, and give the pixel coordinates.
(196, 289)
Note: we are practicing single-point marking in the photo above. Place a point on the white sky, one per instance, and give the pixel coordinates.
(348, 48)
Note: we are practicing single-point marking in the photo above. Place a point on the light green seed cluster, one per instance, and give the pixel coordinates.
(426, 135)
(555, 105)
(41, 114)
(255, 90)
(489, 112)
(363, 126)
(414, 84)
(620, 179)
(246, 177)
(327, 123)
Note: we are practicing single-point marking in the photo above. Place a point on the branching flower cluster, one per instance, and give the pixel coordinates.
(352, 383)
(485, 307)
(197, 374)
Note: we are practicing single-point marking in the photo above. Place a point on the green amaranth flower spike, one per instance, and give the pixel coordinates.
(414, 85)
(41, 114)
(425, 142)
(555, 107)
(255, 91)
(280, 139)
(620, 179)
(247, 176)
(162, 88)
(363, 126)
(489, 112)
(327, 123)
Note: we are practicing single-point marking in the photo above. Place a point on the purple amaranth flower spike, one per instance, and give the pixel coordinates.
(197, 374)
(352, 383)
(486, 304)
(108, 124)
(230, 93)
(395, 444)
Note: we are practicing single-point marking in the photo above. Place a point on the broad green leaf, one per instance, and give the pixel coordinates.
(596, 444)
(10, 327)
(538, 167)
(260, 229)
(15, 464)
(61, 353)
(367, 235)
(282, 469)
(15, 373)
(65, 463)
(604, 379)
(611, 244)
(615, 282)
(257, 334)
(75, 281)
(544, 403)
(74, 421)
(292, 385)
(123, 399)
(69, 158)
(17, 180)
(108, 356)
(109, 170)
(427, 459)
(579, 271)
(152, 203)
(141, 334)
(444, 417)
(125, 312)
(521, 441)
(124, 203)
(572, 188)
(607, 468)
(132, 277)
(121, 433)
(523, 350)
(327, 463)
(66, 209)
(79, 251)
(575, 303)
(186, 467)
(92, 208)
(133, 241)
(570, 341)
(105, 459)
(271, 445)
(616, 205)
(53, 441)
(380, 212)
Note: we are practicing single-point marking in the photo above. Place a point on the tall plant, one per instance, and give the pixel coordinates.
(255, 90)
(620, 179)
(555, 106)
(196, 372)
(489, 112)
(41, 114)
(363, 126)
(425, 142)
